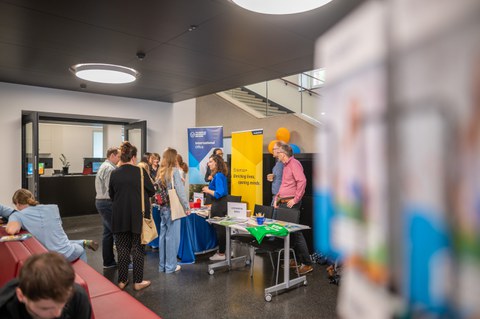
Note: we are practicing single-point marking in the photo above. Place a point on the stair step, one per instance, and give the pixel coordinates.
(256, 103)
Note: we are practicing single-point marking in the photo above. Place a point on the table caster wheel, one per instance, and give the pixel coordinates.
(268, 297)
(304, 282)
(211, 271)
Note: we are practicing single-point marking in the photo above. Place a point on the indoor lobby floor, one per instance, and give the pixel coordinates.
(193, 293)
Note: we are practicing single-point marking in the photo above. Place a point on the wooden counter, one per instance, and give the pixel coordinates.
(74, 194)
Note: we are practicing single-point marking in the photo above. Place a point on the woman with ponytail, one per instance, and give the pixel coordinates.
(125, 190)
(45, 224)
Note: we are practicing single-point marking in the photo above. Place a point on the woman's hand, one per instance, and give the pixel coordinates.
(13, 228)
(205, 189)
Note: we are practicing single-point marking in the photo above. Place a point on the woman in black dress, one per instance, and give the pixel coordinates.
(125, 192)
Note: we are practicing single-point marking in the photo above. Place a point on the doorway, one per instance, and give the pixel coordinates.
(51, 142)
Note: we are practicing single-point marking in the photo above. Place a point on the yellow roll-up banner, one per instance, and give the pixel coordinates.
(247, 166)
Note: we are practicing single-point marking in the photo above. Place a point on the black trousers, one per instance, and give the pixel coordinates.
(219, 209)
(298, 242)
(127, 243)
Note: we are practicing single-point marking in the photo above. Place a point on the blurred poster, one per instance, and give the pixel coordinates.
(437, 85)
(247, 166)
(351, 181)
(422, 156)
(201, 143)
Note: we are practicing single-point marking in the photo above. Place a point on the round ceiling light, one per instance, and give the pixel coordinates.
(105, 73)
(280, 6)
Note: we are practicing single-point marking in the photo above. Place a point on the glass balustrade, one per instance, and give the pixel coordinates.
(300, 93)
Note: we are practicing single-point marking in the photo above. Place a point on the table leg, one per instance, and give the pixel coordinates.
(287, 283)
(228, 256)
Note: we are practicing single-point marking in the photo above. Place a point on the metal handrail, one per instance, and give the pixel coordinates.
(299, 86)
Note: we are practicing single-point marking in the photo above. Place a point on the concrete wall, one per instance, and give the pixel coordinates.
(212, 110)
(164, 120)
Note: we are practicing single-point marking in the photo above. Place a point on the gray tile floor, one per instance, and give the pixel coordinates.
(193, 293)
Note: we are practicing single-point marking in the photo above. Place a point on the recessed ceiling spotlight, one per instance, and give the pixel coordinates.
(141, 55)
(193, 27)
(280, 6)
(104, 73)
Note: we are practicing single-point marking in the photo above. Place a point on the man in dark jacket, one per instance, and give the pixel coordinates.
(45, 289)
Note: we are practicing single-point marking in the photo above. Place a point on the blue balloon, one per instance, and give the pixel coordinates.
(295, 149)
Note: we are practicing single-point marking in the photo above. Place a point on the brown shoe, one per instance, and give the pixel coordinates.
(122, 285)
(305, 269)
(142, 285)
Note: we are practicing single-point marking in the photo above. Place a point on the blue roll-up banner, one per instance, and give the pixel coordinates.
(201, 143)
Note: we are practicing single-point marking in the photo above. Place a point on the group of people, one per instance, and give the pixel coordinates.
(119, 202)
(45, 287)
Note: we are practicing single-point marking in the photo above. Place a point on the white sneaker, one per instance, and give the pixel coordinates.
(217, 257)
(178, 268)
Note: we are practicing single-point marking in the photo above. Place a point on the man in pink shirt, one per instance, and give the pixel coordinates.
(290, 195)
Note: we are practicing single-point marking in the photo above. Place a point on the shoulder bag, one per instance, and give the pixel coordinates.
(149, 230)
(176, 207)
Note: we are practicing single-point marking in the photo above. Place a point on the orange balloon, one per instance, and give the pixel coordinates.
(270, 146)
(283, 134)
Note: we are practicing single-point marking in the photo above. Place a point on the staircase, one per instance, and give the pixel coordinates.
(257, 102)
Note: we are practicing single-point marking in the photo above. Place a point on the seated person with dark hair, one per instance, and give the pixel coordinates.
(45, 289)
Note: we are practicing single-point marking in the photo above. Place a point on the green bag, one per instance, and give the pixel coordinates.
(260, 232)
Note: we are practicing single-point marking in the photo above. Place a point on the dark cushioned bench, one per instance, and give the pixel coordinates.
(108, 301)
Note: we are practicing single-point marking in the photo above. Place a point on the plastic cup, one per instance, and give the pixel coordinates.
(260, 220)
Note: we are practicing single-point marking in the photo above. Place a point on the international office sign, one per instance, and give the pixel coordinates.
(201, 143)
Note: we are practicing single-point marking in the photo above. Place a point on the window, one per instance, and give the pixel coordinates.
(312, 79)
(97, 144)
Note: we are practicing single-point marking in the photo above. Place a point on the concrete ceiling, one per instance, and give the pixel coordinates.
(231, 47)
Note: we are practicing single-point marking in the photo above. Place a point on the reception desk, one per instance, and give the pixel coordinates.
(74, 194)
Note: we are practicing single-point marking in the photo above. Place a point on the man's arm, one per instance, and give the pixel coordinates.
(301, 181)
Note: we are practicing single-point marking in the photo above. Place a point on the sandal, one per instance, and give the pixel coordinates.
(122, 285)
(142, 285)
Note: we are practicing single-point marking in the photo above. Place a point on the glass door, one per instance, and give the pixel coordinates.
(30, 176)
(136, 134)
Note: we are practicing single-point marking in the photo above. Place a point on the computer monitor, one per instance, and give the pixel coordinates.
(96, 166)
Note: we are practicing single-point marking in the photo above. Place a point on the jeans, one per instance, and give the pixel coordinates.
(169, 241)
(104, 208)
(156, 219)
(297, 240)
(78, 252)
